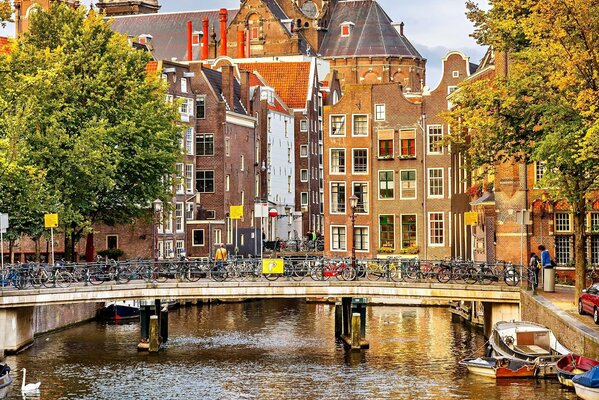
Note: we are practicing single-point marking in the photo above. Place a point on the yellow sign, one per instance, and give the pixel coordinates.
(236, 212)
(471, 218)
(51, 220)
(273, 266)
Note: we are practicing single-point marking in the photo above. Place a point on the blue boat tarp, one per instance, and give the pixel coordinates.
(588, 379)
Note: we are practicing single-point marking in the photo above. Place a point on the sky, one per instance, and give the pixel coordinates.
(433, 26)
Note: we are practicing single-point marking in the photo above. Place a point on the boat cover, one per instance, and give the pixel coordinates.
(588, 379)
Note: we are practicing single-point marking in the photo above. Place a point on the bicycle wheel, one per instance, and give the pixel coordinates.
(123, 275)
(348, 273)
(373, 272)
(444, 275)
(393, 272)
(63, 279)
(300, 271)
(194, 273)
(159, 274)
(511, 277)
(317, 273)
(472, 277)
(95, 276)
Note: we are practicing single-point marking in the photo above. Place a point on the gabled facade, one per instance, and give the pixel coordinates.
(23, 9)
(128, 7)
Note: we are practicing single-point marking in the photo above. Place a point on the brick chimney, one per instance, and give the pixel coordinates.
(244, 83)
(189, 41)
(228, 85)
(223, 32)
(205, 28)
(240, 44)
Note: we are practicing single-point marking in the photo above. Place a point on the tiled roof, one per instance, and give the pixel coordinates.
(372, 34)
(152, 67)
(169, 30)
(4, 46)
(290, 80)
(215, 80)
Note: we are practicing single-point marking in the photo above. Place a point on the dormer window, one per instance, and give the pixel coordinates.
(268, 94)
(196, 37)
(346, 28)
(144, 39)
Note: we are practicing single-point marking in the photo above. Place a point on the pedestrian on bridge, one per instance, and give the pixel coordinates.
(221, 255)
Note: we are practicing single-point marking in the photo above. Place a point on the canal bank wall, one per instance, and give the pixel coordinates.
(572, 333)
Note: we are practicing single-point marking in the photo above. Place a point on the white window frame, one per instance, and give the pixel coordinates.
(436, 178)
(401, 194)
(304, 195)
(540, 170)
(304, 125)
(380, 112)
(378, 187)
(367, 240)
(189, 140)
(428, 139)
(302, 173)
(201, 97)
(304, 151)
(344, 125)
(401, 229)
(568, 220)
(331, 163)
(333, 243)
(353, 123)
(345, 208)
(189, 174)
(179, 217)
(353, 161)
(455, 74)
(366, 198)
(430, 243)
(180, 173)
(184, 85)
(193, 243)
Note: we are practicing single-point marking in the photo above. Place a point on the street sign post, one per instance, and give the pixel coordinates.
(51, 221)
(3, 228)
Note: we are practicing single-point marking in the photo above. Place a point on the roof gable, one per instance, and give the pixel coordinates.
(291, 80)
(169, 30)
(372, 34)
(215, 80)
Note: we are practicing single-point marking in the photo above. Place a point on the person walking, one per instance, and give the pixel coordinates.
(221, 255)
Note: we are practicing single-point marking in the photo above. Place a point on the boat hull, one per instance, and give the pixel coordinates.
(500, 368)
(586, 393)
(571, 365)
(5, 382)
(120, 311)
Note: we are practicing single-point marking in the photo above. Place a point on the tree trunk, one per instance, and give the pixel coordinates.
(579, 240)
(11, 251)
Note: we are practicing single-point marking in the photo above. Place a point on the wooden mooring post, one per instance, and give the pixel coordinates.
(154, 336)
(353, 316)
(338, 320)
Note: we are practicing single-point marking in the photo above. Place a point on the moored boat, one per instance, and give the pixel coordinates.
(573, 364)
(527, 341)
(587, 384)
(121, 310)
(5, 380)
(498, 368)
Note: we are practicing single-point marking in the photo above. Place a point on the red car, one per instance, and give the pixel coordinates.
(589, 302)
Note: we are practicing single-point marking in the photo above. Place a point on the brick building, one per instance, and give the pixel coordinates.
(386, 147)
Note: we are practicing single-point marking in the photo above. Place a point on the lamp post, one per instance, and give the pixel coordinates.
(353, 203)
(157, 206)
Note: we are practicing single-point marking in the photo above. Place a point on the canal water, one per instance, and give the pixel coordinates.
(275, 349)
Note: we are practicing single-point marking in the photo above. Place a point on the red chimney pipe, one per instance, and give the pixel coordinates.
(189, 41)
(223, 32)
(240, 44)
(205, 23)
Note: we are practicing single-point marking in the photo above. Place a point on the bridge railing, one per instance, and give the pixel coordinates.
(296, 268)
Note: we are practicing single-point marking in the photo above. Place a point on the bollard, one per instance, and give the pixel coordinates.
(346, 304)
(355, 331)
(144, 318)
(154, 340)
(338, 320)
(164, 324)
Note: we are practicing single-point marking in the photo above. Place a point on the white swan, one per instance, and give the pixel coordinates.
(30, 387)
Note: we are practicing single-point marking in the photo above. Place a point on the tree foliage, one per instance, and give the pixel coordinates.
(545, 107)
(5, 12)
(79, 106)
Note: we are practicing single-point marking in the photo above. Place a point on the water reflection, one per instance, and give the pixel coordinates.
(271, 350)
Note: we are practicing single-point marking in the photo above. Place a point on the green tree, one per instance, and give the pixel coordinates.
(544, 106)
(90, 118)
(5, 12)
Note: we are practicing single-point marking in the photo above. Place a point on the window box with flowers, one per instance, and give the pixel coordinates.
(385, 249)
(410, 250)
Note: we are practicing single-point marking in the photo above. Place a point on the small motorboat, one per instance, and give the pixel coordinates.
(5, 380)
(121, 310)
(587, 384)
(498, 368)
(527, 341)
(571, 365)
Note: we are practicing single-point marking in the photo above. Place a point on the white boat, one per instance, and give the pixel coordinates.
(527, 341)
(5, 380)
(498, 368)
(587, 384)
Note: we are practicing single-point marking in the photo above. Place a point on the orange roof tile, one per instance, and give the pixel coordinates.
(289, 79)
(152, 67)
(4, 45)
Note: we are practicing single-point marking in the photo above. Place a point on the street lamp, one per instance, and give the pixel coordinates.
(353, 203)
(157, 206)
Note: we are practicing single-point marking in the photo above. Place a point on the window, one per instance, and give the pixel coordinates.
(345, 30)
(179, 217)
(189, 211)
(379, 112)
(407, 189)
(456, 74)
(595, 249)
(360, 157)
(205, 144)
(408, 143)
(254, 33)
(180, 248)
(435, 182)
(269, 123)
(436, 229)
(562, 249)
(338, 239)
(361, 238)
(386, 143)
(210, 214)
(337, 125)
(184, 107)
(288, 184)
(539, 171)
(304, 150)
(408, 231)
(288, 155)
(227, 183)
(304, 175)
(361, 192)
(435, 138)
(169, 98)
(184, 85)
(304, 199)
(451, 89)
(189, 141)
(180, 178)
(337, 161)
(562, 222)
(201, 107)
(242, 163)
(227, 147)
(594, 222)
(360, 125)
(198, 237)
(338, 197)
(387, 231)
(386, 185)
(304, 125)
(168, 249)
(189, 178)
(205, 181)
(112, 242)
